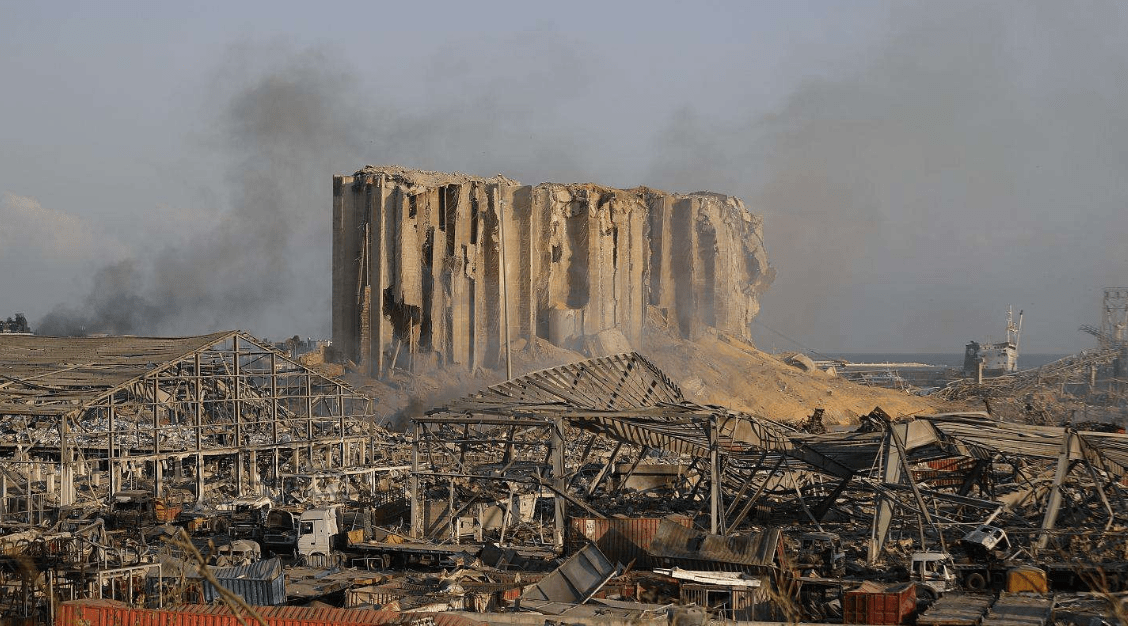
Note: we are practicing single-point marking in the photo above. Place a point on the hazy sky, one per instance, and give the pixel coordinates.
(919, 166)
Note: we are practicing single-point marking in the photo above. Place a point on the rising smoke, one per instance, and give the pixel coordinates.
(279, 134)
(972, 159)
(286, 121)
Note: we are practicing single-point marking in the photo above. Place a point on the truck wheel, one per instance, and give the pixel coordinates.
(975, 581)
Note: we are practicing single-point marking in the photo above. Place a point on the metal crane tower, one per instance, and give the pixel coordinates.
(1113, 331)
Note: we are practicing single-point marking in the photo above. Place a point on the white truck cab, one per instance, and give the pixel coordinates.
(316, 530)
(934, 570)
(987, 541)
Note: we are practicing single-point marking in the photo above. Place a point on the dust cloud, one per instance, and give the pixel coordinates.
(975, 160)
(970, 160)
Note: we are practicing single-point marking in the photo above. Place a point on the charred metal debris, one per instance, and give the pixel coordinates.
(168, 473)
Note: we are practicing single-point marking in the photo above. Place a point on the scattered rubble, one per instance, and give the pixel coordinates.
(676, 475)
(593, 490)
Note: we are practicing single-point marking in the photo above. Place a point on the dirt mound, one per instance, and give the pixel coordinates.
(714, 369)
(718, 369)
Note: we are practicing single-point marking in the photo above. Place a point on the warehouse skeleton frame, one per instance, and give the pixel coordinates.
(519, 431)
(130, 404)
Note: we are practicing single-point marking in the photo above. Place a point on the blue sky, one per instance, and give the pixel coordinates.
(919, 166)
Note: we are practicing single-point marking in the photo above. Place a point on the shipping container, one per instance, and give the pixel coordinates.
(873, 603)
(106, 613)
(945, 472)
(1027, 578)
(621, 539)
(259, 584)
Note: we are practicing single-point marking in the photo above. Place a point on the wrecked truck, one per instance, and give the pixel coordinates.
(986, 564)
(135, 509)
(819, 553)
(280, 531)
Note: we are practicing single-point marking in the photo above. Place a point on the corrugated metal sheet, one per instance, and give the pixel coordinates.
(259, 584)
(617, 382)
(574, 582)
(80, 369)
(375, 594)
(675, 544)
(106, 613)
(622, 540)
(1021, 610)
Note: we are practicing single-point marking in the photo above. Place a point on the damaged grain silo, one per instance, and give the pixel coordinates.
(417, 260)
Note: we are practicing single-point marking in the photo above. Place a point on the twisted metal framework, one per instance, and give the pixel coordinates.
(539, 431)
(137, 404)
(519, 431)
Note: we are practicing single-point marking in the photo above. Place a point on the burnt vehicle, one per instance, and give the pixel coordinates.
(248, 518)
(135, 509)
(280, 531)
(820, 553)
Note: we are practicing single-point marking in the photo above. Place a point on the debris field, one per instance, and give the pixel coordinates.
(218, 478)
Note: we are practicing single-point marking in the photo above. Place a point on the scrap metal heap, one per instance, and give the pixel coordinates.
(918, 484)
(564, 492)
(103, 436)
(1073, 370)
(560, 415)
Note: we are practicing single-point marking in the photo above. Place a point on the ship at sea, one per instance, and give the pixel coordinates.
(996, 358)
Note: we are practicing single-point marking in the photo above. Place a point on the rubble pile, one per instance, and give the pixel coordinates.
(676, 475)
(589, 491)
(1088, 388)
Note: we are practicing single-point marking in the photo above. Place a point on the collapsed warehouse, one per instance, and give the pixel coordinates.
(167, 416)
(948, 501)
(649, 498)
(947, 470)
(104, 437)
(168, 473)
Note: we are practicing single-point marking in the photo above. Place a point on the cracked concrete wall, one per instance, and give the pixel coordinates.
(417, 265)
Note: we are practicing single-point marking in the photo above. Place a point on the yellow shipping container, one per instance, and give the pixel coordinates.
(1027, 578)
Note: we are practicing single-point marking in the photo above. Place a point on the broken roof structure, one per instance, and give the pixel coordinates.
(135, 406)
(540, 430)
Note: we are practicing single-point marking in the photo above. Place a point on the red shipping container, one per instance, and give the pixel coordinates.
(621, 539)
(107, 613)
(877, 604)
